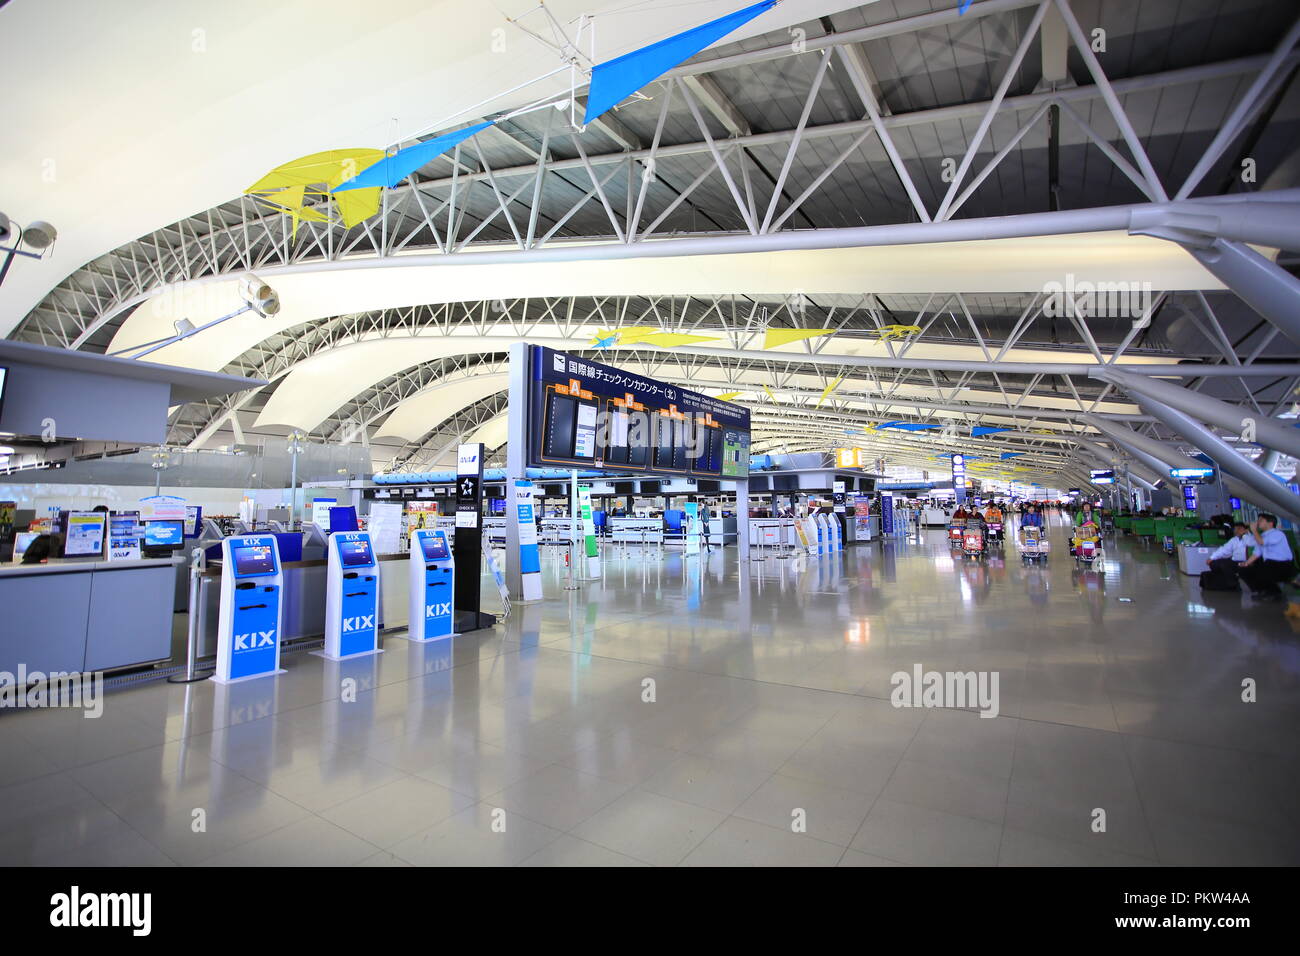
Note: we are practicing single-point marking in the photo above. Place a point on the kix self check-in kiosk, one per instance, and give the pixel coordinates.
(351, 596)
(250, 617)
(433, 590)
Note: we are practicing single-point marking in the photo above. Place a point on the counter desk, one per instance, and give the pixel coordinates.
(72, 615)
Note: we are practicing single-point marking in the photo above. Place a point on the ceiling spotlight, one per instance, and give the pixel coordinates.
(261, 298)
(40, 235)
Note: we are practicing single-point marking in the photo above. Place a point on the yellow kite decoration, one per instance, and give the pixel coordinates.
(826, 392)
(301, 188)
(897, 331)
(774, 338)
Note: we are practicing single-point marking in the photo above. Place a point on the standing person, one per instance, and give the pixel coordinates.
(705, 515)
(1272, 563)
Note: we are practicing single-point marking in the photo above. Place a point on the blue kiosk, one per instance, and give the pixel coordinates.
(433, 586)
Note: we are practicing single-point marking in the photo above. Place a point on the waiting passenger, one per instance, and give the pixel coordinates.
(1272, 563)
(1225, 561)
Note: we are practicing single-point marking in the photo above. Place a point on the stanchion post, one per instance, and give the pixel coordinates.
(197, 564)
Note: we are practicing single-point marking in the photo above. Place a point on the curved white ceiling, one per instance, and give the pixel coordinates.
(320, 385)
(309, 293)
(124, 118)
(426, 410)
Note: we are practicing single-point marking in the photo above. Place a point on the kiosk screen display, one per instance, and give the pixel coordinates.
(435, 547)
(85, 534)
(252, 559)
(164, 534)
(356, 554)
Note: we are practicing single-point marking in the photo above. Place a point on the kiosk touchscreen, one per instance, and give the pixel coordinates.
(832, 526)
(351, 596)
(433, 586)
(250, 617)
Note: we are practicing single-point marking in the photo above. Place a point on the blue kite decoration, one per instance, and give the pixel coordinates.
(615, 80)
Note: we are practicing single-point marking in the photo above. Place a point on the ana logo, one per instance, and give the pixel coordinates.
(251, 642)
(437, 610)
(351, 624)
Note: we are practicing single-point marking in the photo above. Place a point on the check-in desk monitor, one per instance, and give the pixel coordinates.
(433, 586)
(351, 596)
(250, 619)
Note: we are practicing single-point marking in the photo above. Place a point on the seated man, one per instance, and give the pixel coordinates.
(1225, 560)
(1272, 563)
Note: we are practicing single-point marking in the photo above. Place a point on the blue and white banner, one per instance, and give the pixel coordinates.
(530, 562)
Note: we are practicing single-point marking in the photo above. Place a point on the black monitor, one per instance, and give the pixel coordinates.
(707, 487)
(785, 482)
(760, 483)
(164, 535)
(651, 487)
(625, 487)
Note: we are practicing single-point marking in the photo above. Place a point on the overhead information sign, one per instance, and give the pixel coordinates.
(590, 415)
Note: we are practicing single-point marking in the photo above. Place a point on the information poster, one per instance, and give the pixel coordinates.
(85, 534)
(385, 527)
(692, 509)
(320, 512)
(530, 562)
(162, 508)
(591, 546)
(124, 534)
(886, 514)
(862, 517)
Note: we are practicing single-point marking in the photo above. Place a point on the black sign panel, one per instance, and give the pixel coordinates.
(587, 415)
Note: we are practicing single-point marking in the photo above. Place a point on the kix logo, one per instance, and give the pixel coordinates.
(358, 623)
(251, 642)
(437, 610)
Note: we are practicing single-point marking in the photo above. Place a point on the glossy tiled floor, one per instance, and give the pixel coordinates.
(1119, 689)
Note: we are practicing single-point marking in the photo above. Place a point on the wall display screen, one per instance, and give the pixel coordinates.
(193, 520)
(164, 534)
(709, 445)
(1192, 474)
(584, 413)
(355, 553)
(434, 547)
(85, 534)
(735, 453)
(584, 435)
(785, 482)
(252, 560)
(560, 427)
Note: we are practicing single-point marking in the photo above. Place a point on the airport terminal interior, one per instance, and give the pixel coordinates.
(650, 433)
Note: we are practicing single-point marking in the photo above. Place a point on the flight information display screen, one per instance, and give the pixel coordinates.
(252, 560)
(560, 426)
(356, 553)
(582, 413)
(435, 547)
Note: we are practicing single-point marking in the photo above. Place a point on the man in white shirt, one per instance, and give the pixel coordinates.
(1272, 562)
(1230, 554)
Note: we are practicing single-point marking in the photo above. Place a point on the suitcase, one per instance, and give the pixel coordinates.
(1219, 580)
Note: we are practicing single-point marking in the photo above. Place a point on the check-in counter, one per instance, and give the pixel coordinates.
(304, 600)
(86, 615)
